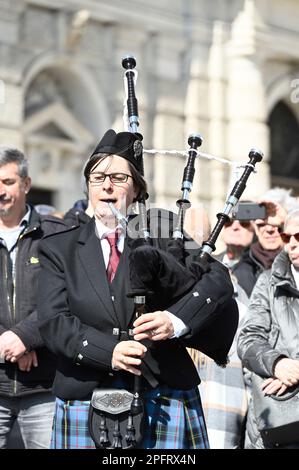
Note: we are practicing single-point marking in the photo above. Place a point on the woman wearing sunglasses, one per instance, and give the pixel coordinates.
(268, 341)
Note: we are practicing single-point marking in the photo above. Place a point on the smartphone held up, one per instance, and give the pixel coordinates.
(249, 211)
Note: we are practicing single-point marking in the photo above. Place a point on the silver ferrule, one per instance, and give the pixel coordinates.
(139, 299)
(134, 123)
(177, 234)
(230, 203)
(185, 195)
(207, 249)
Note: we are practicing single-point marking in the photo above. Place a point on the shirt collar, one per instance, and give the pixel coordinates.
(102, 230)
(25, 220)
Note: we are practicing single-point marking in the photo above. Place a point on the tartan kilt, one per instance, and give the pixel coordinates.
(174, 421)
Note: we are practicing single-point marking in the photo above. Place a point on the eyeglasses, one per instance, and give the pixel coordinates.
(115, 178)
(243, 223)
(286, 237)
(263, 225)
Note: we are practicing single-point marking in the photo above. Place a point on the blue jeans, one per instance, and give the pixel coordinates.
(34, 414)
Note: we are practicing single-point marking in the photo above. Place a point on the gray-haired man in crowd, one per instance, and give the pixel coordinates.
(26, 368)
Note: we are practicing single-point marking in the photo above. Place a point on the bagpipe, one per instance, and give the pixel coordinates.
(161, 278)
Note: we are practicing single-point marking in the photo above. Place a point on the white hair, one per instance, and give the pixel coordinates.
(292, 215)
(283, 197)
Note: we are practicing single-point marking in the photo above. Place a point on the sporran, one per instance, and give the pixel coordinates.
(111, 422)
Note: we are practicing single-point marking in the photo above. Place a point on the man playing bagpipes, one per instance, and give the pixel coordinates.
(88, 321)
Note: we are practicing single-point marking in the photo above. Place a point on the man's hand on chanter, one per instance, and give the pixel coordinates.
(155, 326)
(127, 355)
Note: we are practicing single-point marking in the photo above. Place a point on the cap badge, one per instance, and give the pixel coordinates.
(138, 147)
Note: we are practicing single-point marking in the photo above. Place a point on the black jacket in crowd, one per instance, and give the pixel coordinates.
(18, 300)
(247, 271)
(83, 317)
(75, 217)
(253, 262)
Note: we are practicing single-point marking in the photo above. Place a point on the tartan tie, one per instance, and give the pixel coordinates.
(114, 255)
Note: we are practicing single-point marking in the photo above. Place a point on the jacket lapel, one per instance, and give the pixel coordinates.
(91, 257)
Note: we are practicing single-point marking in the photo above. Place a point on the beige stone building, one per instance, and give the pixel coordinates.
(227, 69)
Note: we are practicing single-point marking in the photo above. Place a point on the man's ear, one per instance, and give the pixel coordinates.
(27, 184)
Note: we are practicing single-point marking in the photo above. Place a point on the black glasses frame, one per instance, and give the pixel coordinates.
(115, 178)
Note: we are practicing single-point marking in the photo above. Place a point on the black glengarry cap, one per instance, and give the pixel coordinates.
(125, 144)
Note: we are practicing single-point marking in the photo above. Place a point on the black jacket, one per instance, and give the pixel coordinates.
(247, 271)
(80, 315)
(76, 217)
(18, 308)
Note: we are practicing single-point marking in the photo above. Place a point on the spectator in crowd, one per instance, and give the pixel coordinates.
(27, 368)
(268, 341)
(237, 236)
(223, 389)
(261, 254)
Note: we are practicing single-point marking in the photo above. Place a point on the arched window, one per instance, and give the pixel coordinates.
(56, 141)
(284, 147)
